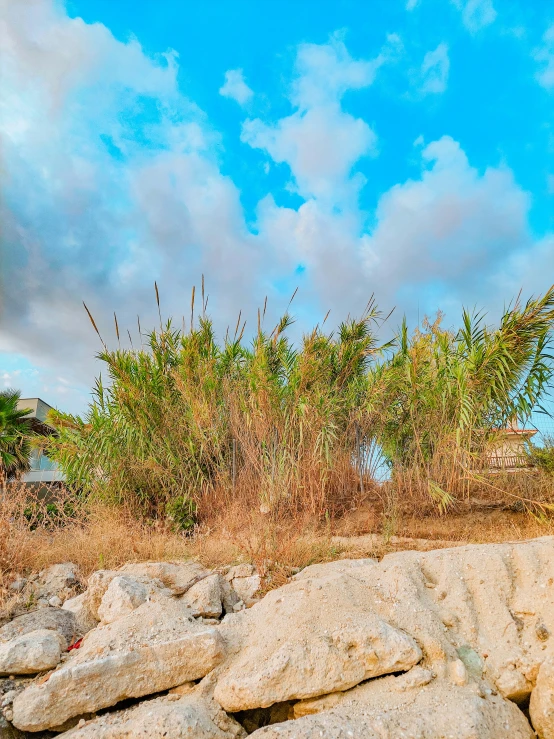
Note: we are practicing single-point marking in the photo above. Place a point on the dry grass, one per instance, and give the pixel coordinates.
(96, 536)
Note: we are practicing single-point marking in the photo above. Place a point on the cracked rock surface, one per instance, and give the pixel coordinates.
(444, 644)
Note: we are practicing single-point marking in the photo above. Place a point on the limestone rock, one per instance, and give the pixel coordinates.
(245, 582)
(100, 581)
(246, 588)
(541, 707)
(97, 585)
(31, 652)
(154, 648)
(177, 576)
(205, 597)
(188, 717)
(83, 617)
(489, 597)
(54, 619)
(306, 639)
(59, 580)
(122, 596)
(242, 570)
(382, 709)
(345, 566)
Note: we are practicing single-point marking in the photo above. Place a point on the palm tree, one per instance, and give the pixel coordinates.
(15, 437)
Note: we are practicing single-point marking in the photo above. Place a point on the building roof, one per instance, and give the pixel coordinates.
(39, 411)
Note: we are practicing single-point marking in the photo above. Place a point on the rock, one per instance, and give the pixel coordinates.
(31, 652)
(59, 580)
(190, 717)
(541, 707)
(54, 619)
(340, 565)
(97, 585)
(205, 597)
(154, 648)
(156, 577)
(122, 596)
(246, 589)
(306, 639)
(386, 708)
(83, 617)
(55, 602)
(177, 576)
(245, 582)
(242, 570)
(491, 598)
(229, 598)
(18, 585)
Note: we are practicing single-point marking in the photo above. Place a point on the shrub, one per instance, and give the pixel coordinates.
(187, 425)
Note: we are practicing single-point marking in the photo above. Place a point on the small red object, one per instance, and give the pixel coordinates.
(75, 645)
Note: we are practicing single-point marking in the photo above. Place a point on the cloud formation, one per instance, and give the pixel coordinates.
(320, 141)
(235, 87)
(113, 180)
(544, 55)
(434, 70)
(476, 14)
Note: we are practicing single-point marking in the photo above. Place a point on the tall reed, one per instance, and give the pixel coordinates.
(186, 425)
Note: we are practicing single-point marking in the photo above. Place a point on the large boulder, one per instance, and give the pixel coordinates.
(31, 652)
(81, 612)
(154, 648)
(170, 717)
(122, 596)
(55, 619)
(492, 601)
(389, 708)
(474, 611)
(541, 707)
(59, 581)
(205, 597)
(308, 638)
(177, 576)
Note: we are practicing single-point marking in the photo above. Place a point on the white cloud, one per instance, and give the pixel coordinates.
(411, 4)
(112, 181)
(452, 235)
(320, 141)
(235, 87)
(476, 14)
(452, 226)
(434, 70)
(544, 55)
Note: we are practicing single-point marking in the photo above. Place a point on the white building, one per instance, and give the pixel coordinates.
(43, 470)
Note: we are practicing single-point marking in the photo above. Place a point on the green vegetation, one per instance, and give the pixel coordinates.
(543, 456)
(186, 423)
(15, 437)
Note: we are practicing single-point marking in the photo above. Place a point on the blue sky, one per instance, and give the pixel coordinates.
(402, 148)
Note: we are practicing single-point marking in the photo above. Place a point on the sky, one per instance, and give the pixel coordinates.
(401, 148)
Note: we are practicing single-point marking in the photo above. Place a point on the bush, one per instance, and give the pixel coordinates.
(543, 457)
(182, 512)
(187, 425)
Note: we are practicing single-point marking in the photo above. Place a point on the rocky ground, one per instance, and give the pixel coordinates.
(448, 644)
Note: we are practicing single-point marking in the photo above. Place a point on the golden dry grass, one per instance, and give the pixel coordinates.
(98, 536)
